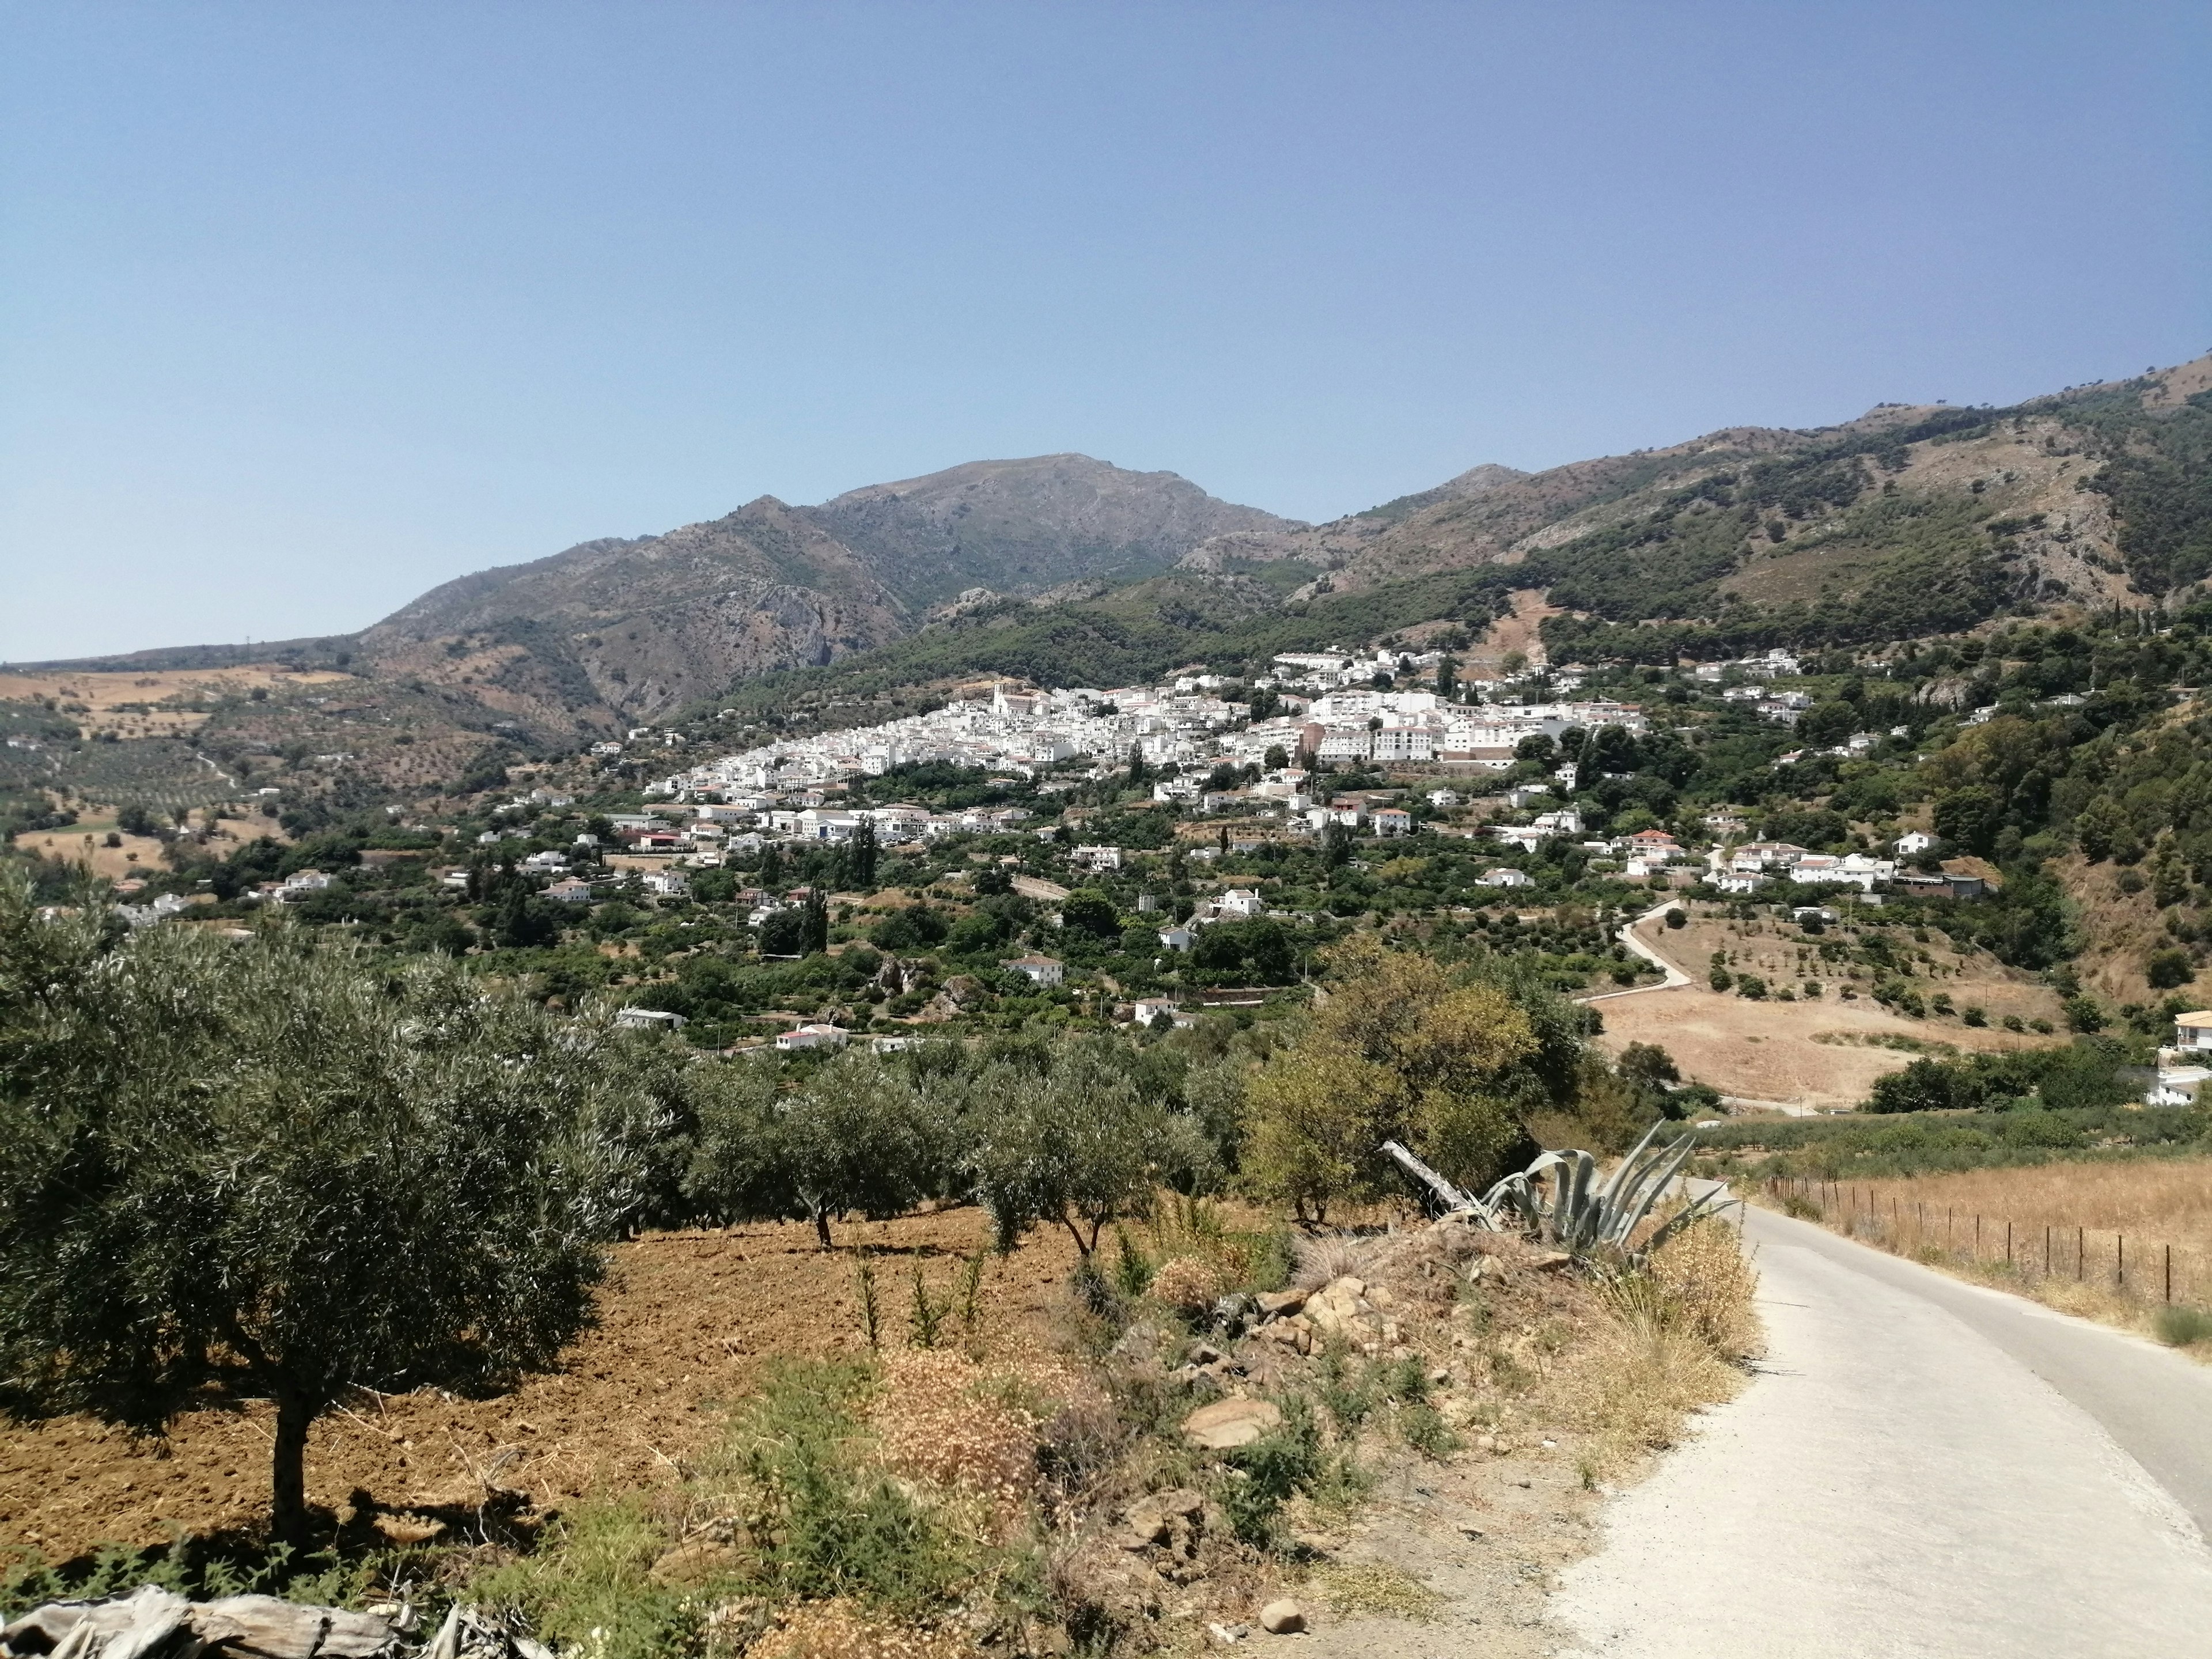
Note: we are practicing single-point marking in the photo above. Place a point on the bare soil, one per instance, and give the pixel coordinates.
(105, 694)
(1820, 1055)
(685, 1325)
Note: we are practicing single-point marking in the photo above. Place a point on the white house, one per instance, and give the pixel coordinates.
(2176, 1085)
(1391, 821)
(1852, 870)
(1039, 970)
(1176, 938)
(1506, 876)
(2193, 1033)
(570, 891)
(813, 1036)
(1443, 799)
(545, 862)
(1911, 844)
(648, 1019)
(1238, 901)
(1756, 856)
(1096, 858)
(668, 883)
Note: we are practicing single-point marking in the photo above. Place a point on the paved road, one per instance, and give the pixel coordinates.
(1922, 1467)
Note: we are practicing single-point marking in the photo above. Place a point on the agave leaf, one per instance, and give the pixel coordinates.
(1650, 1184)
(1627, 1166)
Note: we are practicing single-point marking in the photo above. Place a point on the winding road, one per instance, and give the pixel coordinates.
(1675, 976)
(1922, 1466)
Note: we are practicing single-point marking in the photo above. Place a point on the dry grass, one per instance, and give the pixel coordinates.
(839, 1629)
(2067, 1223)
(1772, 1050)
(1376, 1587)
(1329, 1257)
(1675, 1343)
(1187, 1284)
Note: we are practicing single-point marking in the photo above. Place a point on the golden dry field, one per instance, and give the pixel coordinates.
(1816, 1054)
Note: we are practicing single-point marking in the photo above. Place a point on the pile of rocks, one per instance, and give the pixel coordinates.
(1366, 1316)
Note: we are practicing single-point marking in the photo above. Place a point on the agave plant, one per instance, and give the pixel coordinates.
(1583, 1216)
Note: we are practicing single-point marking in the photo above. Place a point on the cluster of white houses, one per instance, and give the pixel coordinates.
(1181, 722)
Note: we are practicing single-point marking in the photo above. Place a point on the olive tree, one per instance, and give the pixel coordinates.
(261, 1170)
(1075, 1141)
(857, 1135)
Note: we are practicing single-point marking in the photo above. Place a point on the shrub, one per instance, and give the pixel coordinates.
(1271, 1471)
(2168, 971)
(1186, 1285)
(1423, 1428)
(2180, 1326)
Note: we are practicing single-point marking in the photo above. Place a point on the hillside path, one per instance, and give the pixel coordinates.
(1922, 1466)
(1674, 976)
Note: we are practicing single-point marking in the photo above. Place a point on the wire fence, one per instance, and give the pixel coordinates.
(2130, 1266)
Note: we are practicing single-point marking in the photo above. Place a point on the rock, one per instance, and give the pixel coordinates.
(263, 1625)
(1282, 1617)
(1226, 1634)
(1179, 1501)
(1139, 1342)
(1551, 1261)
(1381, 1298)
(1228, 1423)
(1201, 1354)
(1354, 1288)
(1235, 1314)
(151, 1620)
(1142, 1528)
(1280, 1305)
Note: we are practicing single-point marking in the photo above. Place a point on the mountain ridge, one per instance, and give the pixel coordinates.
(1906, 519)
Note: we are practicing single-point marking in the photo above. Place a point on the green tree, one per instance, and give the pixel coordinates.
(862, 860)
(263, 1170)
(1399, 1050)
(1825, 725)
(2169, 970)
(1074, 1141)
(1925, 1085)
(1087, 910)
(1969, 819)
(856, 1137)
(814, 921)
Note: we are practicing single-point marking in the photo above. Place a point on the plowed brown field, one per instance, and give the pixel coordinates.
(684, 1325)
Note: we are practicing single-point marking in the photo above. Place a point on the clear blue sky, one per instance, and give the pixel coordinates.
(304, 308)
